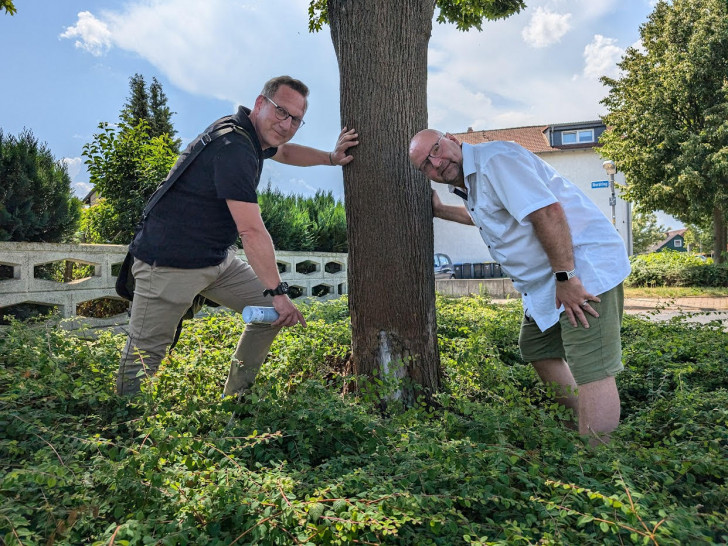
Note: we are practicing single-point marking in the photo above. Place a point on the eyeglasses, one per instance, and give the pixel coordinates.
(283, 114)
(435, 151)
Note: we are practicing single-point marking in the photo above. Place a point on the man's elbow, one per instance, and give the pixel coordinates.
(548, 213)
(252, 233)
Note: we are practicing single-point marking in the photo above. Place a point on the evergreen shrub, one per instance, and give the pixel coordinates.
(672, 268)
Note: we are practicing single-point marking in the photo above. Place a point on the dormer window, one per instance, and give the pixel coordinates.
(582, 136)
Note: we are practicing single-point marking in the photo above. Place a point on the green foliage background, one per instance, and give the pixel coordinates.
(36, 201)
(125, 166)
(672, 268)
(300, 223)
(309, 458)
(149, 104)
(668, 113)
(645, 230)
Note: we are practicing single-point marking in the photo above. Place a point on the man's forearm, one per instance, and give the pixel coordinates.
(260, 254)
(453, 213)
(302, 156)
(552, 230)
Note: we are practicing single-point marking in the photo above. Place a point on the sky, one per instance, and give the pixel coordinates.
(65, 67)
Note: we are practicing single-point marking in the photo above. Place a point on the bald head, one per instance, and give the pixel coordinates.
(438, 155)
(421, 144)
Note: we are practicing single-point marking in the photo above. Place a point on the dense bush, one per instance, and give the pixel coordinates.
(308, 458)
(671, 268)
(125, 164)
(36, 199)
(300, 223)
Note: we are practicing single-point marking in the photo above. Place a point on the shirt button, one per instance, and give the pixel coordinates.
(473, 210)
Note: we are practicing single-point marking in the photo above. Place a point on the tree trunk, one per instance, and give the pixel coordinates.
(719, 236)
(382, 52)
(68, 271)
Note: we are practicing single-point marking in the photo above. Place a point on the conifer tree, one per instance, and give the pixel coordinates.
(36, 201)
(149, 104)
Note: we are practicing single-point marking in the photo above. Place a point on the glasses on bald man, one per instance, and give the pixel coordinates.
(435, 151)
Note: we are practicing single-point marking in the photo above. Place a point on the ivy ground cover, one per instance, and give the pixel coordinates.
(310, 457)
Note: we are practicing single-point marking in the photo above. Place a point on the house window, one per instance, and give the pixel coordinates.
(577, 137)
(678, 243)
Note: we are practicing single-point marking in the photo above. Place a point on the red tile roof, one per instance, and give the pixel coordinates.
(534, 138)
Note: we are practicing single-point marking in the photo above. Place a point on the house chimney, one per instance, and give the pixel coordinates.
(470, 129)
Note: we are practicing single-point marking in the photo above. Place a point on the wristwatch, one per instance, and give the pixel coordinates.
(279, 290)
(563, 276)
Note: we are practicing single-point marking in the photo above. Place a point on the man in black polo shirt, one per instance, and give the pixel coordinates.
(186, 245)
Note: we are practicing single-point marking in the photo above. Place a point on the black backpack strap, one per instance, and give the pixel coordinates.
(186, 159)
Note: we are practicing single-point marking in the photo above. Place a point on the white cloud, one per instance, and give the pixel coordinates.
(81, 189)
(472, 83)
(505, 76)
(74, 165)
(76, 170)
(93, 35)
(601, 57)
(546, 28)
(227, 50)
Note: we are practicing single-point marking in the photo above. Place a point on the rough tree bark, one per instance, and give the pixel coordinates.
(382, 52)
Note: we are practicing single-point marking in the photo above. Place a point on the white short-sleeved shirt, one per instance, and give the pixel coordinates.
(505, 183)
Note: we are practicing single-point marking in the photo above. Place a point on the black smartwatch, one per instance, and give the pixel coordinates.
(563, 276)
(279, 290)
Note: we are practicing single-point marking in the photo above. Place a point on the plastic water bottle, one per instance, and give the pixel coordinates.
(259, 315)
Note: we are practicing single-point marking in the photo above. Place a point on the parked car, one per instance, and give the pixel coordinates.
(443, 267)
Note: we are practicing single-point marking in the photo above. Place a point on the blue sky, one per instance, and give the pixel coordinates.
(66, 66)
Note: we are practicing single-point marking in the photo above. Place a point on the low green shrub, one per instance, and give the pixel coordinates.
(672, 268)
(307, 459)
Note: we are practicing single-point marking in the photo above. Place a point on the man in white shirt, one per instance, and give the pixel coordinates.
(563, 254)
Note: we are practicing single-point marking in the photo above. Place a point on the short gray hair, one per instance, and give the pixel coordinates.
(271, 86)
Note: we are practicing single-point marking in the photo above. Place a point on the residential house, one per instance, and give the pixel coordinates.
(674, 240)
(571, 149)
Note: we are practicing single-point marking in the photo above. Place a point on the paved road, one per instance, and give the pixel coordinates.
(696, 309)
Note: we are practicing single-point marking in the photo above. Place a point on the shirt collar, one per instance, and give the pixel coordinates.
(463, 194)
(468, 169)
(468, 159)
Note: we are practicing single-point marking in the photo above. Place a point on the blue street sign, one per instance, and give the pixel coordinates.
(600, 184)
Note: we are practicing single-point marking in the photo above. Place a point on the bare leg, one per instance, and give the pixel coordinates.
(598, 409)
(556, 370)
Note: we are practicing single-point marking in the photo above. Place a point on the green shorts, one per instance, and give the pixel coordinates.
(592, 353)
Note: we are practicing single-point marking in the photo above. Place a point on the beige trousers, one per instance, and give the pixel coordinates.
(162, 295)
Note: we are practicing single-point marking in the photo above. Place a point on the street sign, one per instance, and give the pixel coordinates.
(600, 184)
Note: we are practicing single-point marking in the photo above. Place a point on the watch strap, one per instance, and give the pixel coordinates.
(279, 290)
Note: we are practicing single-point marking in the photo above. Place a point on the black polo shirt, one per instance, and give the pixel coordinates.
(191, 226)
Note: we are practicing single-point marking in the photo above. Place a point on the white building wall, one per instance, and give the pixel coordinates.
(581, 167)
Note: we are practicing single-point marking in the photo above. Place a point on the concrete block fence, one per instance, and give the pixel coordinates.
(319, 275)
